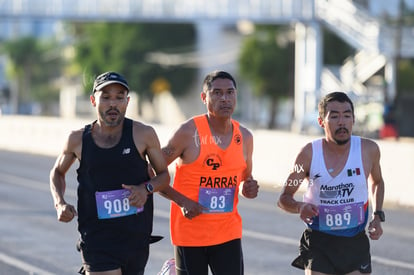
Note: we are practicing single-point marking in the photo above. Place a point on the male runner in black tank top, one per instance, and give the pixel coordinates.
(115, 204)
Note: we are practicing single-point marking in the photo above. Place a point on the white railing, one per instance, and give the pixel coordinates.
(361, 66)
(352, 24)
(330, 80)
(363, 31)
(349, 21)
(162, 10)
(374, 41)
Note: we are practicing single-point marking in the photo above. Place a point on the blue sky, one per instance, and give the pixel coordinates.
(389, 7)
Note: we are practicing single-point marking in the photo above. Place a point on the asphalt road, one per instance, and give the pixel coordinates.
(32, 241)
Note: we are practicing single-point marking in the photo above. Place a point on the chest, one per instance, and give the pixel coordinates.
(106, 140)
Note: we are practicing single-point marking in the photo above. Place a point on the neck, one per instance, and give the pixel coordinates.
(220, 125)
(106, 128)
(335, 156)
(106, 136)
(334, 147)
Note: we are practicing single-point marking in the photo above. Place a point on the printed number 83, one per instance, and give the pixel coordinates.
(218, 202)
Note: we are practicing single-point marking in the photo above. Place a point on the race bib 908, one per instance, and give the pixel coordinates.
(114, 204)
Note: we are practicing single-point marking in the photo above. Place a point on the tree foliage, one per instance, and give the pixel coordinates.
(124, 47)
(268, 65)
(34, 64)
(406, 76)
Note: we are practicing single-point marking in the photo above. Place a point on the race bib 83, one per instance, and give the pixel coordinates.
(217, 200)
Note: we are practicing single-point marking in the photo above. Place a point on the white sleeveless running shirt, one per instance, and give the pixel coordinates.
(343, 199)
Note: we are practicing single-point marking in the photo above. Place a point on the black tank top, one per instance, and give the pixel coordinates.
(104, 170)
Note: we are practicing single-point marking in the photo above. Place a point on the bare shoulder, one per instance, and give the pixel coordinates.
(75, 138)
(186, 130)
(76, 134)
(73, 145)
(145, 136)
(247, 134)
(304, 157)
(369, 146)
(142, 128)
(182, 142)
(188, 126)
(306, 150)
(370, 151)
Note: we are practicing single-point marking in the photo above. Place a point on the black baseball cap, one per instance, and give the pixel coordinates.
(107, 78)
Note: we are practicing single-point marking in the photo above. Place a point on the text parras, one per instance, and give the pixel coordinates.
(218, 182)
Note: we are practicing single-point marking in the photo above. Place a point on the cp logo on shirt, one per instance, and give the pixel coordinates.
(214, 165)
(213, 161)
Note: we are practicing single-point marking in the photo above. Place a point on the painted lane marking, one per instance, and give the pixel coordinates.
(23, 265)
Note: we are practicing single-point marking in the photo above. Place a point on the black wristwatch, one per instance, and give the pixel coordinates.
(380, 214)
(149, 187)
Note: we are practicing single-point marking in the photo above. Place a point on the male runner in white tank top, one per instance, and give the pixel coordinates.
(341, 170)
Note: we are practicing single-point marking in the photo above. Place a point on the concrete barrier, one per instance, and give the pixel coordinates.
(274, 151)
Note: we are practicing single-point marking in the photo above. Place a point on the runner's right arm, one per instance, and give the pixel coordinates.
(65, 212)
(181, 146)
(296, 177)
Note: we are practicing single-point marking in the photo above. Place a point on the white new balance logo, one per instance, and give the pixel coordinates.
(126, 151)
(364, 267)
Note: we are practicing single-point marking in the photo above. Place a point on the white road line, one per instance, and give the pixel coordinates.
(389, 262)
(23, 266)
(25, 182)
(267, 237)
(35, 184)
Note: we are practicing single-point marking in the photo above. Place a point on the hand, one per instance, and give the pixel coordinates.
(65, 212)
(250, 188)
(138, 196)
(191, 209)
(375, 229)
(307, 211)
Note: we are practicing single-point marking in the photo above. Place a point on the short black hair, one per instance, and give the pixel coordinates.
(208, 80)
(334, 96)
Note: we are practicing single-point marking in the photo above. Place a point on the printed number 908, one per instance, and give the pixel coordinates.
(117, 206)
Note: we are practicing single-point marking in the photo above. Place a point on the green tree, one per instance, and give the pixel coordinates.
(266, 60)
(124, 47)
(34, 65)
(406, 76)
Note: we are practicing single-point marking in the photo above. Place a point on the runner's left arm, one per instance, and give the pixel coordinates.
(249, 187)
(377, 191)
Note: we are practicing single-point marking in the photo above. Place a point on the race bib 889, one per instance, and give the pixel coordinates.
(341, 216)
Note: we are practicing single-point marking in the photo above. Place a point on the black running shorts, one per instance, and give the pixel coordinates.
(98, 260)
(333, 254)
(225, 258)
